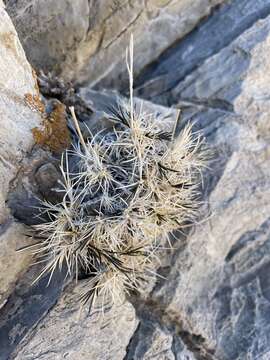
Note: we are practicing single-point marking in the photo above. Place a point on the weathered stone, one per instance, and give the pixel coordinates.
(102, 101)
(87, 40)
(158, 344)
(16, 121)
(47, 176)
(156, 82)
(68, 333)
(49, 30)
(27, 304)
(43, 175)
(12, 263)
(37, 179)
(213, 299)
(217, 289)
(213, 302)
(155, 340)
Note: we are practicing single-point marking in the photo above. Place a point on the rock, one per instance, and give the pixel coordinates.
(26, 306)
(16, 121)
(68, 333)
(33, 302)
(156, 82)
(47, 176)
(49, 30)
(37, 179)
(155, 339)
(102, 101)
(212, 301)
(216, 293)
(86, 40)
(12, 263)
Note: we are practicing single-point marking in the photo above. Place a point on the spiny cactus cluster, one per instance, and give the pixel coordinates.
(130, 188)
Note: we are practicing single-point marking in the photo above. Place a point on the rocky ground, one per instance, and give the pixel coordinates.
(209, 58)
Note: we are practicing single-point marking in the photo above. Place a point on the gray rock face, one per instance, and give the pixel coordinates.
(157, 81)
(18, 298)
(50, 30)
(28, 304)
(72, 335)
(213, 301)
(16, 121)
(25, 307)
(86, 40)
(217, 288)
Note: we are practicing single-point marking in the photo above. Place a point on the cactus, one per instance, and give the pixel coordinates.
(131, 188)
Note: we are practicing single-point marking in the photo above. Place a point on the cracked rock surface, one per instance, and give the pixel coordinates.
(69, 334)
(16, 121)
(213, 300)
(86, 40)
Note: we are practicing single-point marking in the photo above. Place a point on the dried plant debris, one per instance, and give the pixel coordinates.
(129, 189)
(54, 87)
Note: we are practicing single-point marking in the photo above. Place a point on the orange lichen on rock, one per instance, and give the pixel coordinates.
(55, 134)
(34, 103)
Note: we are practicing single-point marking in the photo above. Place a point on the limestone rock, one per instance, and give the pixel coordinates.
(102, 101)
(212, 301)
(216, 293)
(86, 40)
(16, 121)
(71, 334)
(210, 37)
(34, 301)
(25, 306)
(12, 263)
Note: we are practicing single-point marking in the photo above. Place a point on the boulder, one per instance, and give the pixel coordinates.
(210, 36)
(28, 304)
(71, 334)
(86, 40)
(215, 297)
(17, 118)
(212, 301)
